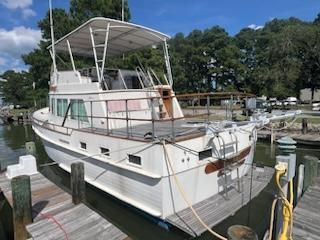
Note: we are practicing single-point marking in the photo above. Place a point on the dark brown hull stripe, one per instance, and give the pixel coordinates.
(229, 162)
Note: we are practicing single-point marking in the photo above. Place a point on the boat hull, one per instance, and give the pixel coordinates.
(157, 196)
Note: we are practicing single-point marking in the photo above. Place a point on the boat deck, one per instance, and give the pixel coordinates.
(56, 217)
(217, 208)
(306, 215)
(181, 130)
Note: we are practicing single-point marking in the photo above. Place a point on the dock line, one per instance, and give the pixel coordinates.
(185, 196)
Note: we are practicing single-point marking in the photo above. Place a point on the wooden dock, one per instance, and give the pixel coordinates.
(306, 216)
(217, 208)
(56, 217)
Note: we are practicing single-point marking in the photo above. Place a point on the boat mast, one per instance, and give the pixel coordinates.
(53, 53)
(122, 11)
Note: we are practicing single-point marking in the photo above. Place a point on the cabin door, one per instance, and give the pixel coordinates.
(166, 95)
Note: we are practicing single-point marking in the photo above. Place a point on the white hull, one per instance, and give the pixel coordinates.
(155, 193)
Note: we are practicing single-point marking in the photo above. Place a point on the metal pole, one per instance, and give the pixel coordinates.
(71, 56)
(127, 118)
(105, 50)
(52, 39)
(95, 54)
(91, 115)
(122, 11)
(167, 60)
(107, 117)
(172, 118)
(152, 117)
(208, 106)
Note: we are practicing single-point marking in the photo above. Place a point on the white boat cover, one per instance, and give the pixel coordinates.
(123, 37)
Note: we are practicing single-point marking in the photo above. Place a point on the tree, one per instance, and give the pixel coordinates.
(17, 88)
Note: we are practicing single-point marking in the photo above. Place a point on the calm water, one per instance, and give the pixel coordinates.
(255, 214)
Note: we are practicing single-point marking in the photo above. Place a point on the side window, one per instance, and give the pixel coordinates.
(62, 105)
(78, 110)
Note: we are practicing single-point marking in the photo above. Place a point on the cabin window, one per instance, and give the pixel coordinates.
(78, 110)
(134, 159)
(83, 145)
(105, 151)
(62, 105)
(205, 154)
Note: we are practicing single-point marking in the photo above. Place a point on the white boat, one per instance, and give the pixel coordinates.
(128, 129)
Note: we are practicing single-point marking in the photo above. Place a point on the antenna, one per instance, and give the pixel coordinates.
(52, 39)
(122, 11)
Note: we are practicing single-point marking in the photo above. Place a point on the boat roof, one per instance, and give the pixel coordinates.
(123, 37)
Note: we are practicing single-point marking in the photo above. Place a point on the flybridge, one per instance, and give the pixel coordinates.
(103, 37)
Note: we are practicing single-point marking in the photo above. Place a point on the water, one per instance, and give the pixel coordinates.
(256, 214)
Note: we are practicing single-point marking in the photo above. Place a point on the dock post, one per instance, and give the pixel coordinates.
(30, 148)
(78, 185)
(240, 232)
(287, 147)
(304, 126)
(310, 170)
(300, 181)
(22, 207)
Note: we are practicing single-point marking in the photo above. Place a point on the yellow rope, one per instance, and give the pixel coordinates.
(272, 218)
(183, 194)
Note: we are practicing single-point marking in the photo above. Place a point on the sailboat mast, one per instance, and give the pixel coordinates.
(52, 39)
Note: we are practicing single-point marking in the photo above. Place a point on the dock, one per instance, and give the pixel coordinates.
(217, 208)
(56, 217)
(306, 215)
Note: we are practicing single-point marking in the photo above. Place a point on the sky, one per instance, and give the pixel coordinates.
(19, 33)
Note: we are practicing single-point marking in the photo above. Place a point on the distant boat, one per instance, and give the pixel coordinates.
(128, 128)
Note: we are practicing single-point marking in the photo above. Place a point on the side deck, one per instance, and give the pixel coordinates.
(217, 208)
(56, 217)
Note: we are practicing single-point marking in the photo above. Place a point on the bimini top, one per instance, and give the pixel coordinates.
(123, 37)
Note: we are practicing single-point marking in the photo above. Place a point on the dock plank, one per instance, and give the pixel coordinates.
(56, 217)
(217, 208)
(306, 215)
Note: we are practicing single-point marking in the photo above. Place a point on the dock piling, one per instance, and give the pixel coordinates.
(22, 207)
(239, 232)
(304, 126)
(30, 148)
(78, 185)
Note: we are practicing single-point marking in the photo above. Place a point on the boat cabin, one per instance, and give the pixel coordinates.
(103, 97)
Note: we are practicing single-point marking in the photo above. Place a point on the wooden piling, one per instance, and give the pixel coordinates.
(78, 185)
(304, 126)
(22, 208)
(30, 148)
(239, 232)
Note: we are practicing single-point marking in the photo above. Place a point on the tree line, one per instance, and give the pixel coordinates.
(277, 60)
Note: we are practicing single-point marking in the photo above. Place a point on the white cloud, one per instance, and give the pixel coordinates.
(28, 12)
(19, 40)
(14, 4)
(15, 42)
(255, 27)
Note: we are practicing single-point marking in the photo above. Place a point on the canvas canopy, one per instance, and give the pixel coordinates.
(123, 37)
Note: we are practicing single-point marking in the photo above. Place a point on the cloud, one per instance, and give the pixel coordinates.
(255, 27)
(27, 12)
(14, 4)
(15, 42)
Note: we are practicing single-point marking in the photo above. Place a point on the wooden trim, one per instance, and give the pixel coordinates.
(232, 161)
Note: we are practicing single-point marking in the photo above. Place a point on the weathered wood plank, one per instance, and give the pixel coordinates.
(215, 209)
(306, 216)
(56, 217)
